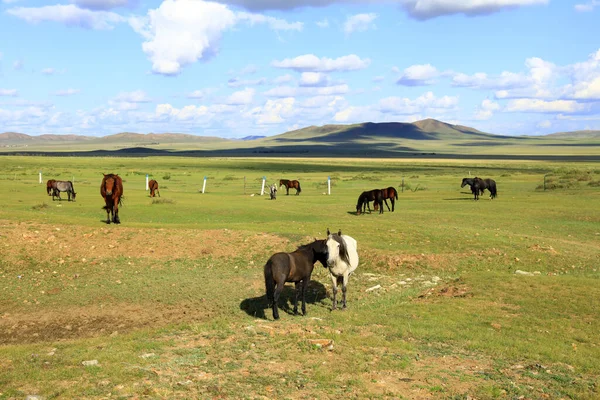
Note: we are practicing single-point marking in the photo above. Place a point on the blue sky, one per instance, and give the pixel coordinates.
(234, 68)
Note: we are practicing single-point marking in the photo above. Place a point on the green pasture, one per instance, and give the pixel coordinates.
(435, 310)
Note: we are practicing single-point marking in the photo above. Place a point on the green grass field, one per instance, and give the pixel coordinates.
(171, 302)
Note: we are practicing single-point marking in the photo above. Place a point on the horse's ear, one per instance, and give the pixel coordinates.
(328, 233)
(340, 232)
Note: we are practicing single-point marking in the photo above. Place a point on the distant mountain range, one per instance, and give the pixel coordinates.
(427, 129)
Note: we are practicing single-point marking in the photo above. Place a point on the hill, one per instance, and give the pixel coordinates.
(585, 134)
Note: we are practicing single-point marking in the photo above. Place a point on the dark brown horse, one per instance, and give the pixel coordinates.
(481, 184)
(290, 185)
(153, 186)
(375, 195)
(388, 193)
(49, 186)
(293, 267)
(112, 191)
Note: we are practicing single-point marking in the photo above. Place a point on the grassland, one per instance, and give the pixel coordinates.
(171, 302)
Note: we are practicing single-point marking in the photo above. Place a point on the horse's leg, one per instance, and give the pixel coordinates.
(393, 202)
(386, 204)
(297, 288)
(158, 191)
(278, 290)
(334, 286)
(304, 286)
(287, 191)
(340, 282)
(108, 212)
(344, 285)
(116, 219)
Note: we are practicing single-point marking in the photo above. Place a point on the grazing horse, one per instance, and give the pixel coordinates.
(63, 186)
(293, 267)
(342, 260)
(475, 189)
(49, 186)
(111, 189)
(153, 186)
(273, 191)
(290, 185)
(389, 193)
(488, 184)
(362, 203)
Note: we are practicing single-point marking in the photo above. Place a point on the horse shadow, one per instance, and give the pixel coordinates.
(256, 306)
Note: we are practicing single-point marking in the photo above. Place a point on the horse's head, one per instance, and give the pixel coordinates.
(321, 251)
(109, 184)
(336, 250)
(73, 195)
(464, 182)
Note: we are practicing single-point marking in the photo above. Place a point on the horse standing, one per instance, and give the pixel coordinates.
(49, 186)
(111, 189)
(293, 267)
(153, 186)
(389, 193)
(290, 185)
(488, 184)
(475, 189)
(342, 260)
(63, 186)
(362, 203)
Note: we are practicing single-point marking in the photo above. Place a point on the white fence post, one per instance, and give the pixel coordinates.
(262, 190)
(147, 182)
(328, 185)
(204, 186)
(40, 176)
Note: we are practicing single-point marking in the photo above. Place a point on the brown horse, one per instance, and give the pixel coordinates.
(153, 185)
(112, 191)
(290, 185)
(365, 197)
(296, 267)
(49, 186)
(388, 193)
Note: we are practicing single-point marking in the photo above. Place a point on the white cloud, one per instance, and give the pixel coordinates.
(179, 33)
(237, 82)
(274, 111)
(588, 90)
(70, 15)
(427, 9)
(542, 106)
(289, 91)
(544, 124)
(486, 110)
(310, 62)
(137, 96)
(283, 79)
(242, 97)
(276, 24)
(587, 7)
(105, 4)
(52, 71)
(200, 94)
(18, 65)
(9, 92)
(425, 102)
(187, 113)
(359, 23)
(67, 92)
(481, 80)
(314, 79)
(419, 9)
(324, 23)
(418, 75)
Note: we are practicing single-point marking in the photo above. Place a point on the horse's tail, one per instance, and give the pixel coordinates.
(396, 192)
(299, 188)
(121, 200)
(269, 282)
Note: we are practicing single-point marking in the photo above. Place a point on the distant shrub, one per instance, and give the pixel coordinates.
(162, 201)
(167, 176)
(40, 206)
(594, 183)
(230, 178)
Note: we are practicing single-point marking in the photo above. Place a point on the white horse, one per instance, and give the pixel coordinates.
(341, 262)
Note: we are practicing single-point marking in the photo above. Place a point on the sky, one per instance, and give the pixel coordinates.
(233, 68)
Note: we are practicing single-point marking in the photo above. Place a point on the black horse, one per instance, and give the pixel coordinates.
(362, 203)
(471, 183)
(489, 184)
(290, 185)
(293, 267)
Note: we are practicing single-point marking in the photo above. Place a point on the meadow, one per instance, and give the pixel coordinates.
(453, 298)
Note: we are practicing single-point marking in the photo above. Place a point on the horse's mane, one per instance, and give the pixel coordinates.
(343, 248)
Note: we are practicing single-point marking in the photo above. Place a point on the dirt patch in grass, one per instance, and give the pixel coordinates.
(77, 322)
(402, 262)
(48, 242)
(449, 290)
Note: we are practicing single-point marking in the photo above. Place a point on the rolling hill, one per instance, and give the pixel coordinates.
(425, 138)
